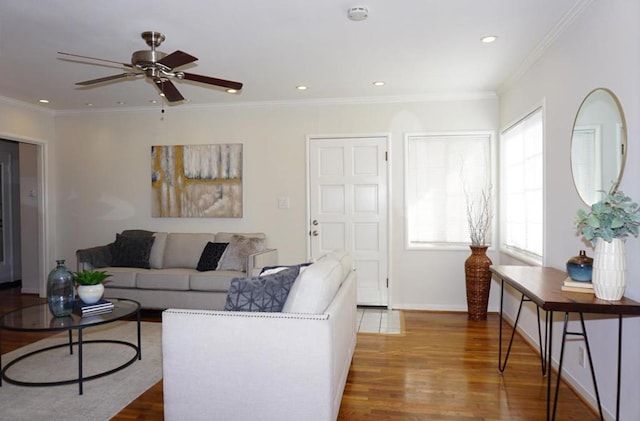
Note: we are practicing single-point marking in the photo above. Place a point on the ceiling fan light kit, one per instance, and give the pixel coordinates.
(160, 67)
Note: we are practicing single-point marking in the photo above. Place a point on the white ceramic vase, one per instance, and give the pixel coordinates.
(609, 269)
(90, 294)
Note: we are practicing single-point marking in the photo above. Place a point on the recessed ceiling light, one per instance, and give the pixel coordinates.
(120, 102)
(88, 104)
(301, 88)
(43, 101)
(154, 101)
(489, 39)
(378, 83)
(232, 91)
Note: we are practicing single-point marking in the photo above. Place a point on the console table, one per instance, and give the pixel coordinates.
(542, 286)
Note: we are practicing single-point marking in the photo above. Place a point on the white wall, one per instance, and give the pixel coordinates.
(102, 166)
(600, 49)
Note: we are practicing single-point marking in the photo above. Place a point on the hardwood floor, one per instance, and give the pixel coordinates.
(442, 368)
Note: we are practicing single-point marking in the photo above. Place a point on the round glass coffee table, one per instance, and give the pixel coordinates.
(37, 318)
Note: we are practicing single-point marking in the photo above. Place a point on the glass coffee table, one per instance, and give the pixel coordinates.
(37, 318)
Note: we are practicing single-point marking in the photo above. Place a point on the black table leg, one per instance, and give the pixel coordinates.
(549, 352)
(70, 342)
(503, 365)
(566, 332)
(139, 337)
(80, 361)
(619, 366)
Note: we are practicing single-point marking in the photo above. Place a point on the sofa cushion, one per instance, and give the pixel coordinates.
(265, 294)
(211, 256)
(183, 250)
(213, 280)
(236, 253)
(121, 277)
(132, 251)
(172, 279)
(345, 259)
(315, 288)
(157, 250)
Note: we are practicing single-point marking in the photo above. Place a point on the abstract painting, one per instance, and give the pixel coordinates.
(197, 181)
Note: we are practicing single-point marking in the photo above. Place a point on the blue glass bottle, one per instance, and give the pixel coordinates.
(60, 291)
(580, 267)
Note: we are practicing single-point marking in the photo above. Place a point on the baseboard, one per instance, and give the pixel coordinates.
(13, 284)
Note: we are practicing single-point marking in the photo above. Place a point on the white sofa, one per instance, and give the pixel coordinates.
(291, 365)
(171, 277)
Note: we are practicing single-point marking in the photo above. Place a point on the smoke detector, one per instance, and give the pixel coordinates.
(358, 13)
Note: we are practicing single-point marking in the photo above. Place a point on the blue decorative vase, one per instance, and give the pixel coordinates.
(580, 267)
(60, 291)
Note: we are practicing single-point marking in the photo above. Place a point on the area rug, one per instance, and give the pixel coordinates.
(102, 398)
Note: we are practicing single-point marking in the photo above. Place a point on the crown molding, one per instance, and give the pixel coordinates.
(444, 97)
(558, 29)
(21, 104)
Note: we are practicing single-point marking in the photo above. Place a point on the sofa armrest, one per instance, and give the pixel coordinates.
(246, 366)
(256, 261)
(94, 257)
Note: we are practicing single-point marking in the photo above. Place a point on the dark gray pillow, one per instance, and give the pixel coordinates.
(132, 252)
(264, 293)
(211, 256)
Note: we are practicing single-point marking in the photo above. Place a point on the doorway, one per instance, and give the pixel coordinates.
(348, 207)
(22, 215)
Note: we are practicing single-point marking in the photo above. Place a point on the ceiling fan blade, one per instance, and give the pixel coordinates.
(213, 81)
(98, 59)
(168, 89)
(107, 79)
(176, 59)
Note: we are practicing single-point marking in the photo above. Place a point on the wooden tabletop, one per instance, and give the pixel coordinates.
(543, 286)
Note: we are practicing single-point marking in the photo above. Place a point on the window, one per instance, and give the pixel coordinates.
(521, 187)
(441, 172)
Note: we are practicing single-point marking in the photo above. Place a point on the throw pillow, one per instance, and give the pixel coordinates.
(265, 293)
(211, 256)
(132, 251)
(239, 248)
(270, 270)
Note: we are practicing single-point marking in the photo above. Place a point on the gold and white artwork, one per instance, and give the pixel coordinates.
(197, 181)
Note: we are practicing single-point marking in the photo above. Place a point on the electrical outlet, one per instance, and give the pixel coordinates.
(581, 356)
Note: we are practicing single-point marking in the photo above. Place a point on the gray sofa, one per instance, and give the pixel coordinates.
(173, 270)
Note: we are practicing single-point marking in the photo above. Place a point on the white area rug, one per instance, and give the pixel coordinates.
(104, 397)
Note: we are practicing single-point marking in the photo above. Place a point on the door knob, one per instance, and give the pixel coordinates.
(314, 233)
(315, 222)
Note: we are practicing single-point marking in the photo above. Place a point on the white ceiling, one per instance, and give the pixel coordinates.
(427, 48)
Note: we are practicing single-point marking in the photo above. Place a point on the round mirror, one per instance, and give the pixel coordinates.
(598, 145)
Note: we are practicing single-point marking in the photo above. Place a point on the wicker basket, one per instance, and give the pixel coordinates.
(478, 280)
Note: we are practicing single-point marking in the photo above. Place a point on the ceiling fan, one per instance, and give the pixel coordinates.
(159, 67)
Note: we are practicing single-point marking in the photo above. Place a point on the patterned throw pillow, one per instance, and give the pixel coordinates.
(239, 248)
(132, 252)
(265, 293)
(211, 256)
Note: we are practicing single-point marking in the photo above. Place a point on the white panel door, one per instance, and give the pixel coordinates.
(348, 207)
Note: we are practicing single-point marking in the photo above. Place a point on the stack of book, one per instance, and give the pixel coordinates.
(577, 286)
(101, 307)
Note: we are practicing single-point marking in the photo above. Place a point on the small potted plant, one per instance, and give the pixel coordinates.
(607, 225)
(90, 285)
